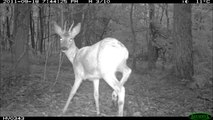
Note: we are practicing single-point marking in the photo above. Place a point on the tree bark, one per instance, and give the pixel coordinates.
(183, 41)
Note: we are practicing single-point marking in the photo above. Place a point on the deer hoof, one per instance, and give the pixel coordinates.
(114, 96)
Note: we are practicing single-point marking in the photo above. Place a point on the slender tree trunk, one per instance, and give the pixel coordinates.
(8, 29)
(21, 35)
(183, 41)
(105, 27)
(48, 31)
(162, 13)
(48, 28)
(62, 23)
(41, 12)
(133, 35)
(32, 30)
(167, 17)
(151, 48)
(78, 18)
(38, 34)
(0, 53)
(84, 35)
(88, 18)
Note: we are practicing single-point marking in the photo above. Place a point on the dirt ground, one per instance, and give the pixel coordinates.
(155, 93)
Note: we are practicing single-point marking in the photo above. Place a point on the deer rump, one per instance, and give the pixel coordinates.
(96, 61)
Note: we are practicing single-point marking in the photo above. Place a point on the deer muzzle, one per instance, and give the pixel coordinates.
(63, 48)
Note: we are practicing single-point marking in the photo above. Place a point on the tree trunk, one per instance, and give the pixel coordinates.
(48, 28)
(8, 30)
(21, 30)
(183, 41)
(162, 13)
(41, 12)
(37, 34)
(78, 18)
(151, 48)
(134, 39)
(0, 53)
(41, 30)
(32, 30)
(48, 32)
(88, 19)
(167, 17)
(84, 28)
(106, 23)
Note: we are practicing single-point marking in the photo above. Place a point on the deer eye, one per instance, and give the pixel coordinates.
(60, 39)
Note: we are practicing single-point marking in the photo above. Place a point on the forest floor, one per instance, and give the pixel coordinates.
(154, 93)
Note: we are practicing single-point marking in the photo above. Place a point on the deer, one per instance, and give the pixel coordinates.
(98, 61)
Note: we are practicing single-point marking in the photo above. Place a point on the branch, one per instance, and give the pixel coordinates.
(49, 36)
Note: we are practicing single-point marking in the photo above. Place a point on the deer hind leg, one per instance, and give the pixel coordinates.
(126, 71)
(121, 100)
(119, 90)
(96, 94)
(72, 93)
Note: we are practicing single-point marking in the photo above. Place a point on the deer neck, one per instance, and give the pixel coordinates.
(71, 52)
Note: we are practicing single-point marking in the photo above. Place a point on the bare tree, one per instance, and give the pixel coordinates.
(183, 41)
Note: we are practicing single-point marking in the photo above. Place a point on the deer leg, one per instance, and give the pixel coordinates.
(118, 90)
(126, 71)
(114, 96)
(72, 93)
(96, 94)
(121, 100)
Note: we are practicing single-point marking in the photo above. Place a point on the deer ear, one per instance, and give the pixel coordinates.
(75, 30)
(58, 29)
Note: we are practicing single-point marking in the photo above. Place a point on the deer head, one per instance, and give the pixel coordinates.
(67, 37)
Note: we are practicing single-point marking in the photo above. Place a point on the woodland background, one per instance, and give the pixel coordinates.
(170, 48)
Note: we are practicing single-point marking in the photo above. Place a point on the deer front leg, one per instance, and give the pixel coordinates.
(72, 93)
(96, 94)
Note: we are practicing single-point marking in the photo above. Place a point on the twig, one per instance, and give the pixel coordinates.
(48, 36)
(47, 56)
(59, 67)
